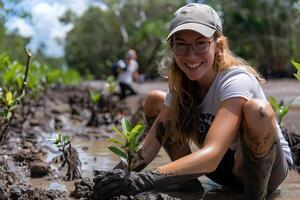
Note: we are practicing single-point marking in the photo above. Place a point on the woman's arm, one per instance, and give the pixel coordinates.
(153, 141)
(221, 134)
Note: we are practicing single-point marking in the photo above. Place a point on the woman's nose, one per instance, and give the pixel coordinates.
(191, 52)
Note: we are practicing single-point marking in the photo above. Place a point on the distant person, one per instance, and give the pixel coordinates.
(133, 66)
(124, 78)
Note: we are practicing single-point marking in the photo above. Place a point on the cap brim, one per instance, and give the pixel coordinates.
(199, 28)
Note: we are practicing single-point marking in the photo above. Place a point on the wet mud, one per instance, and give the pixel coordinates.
(28, 170)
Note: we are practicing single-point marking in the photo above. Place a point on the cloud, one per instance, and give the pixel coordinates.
(44, 28)
(21, 26)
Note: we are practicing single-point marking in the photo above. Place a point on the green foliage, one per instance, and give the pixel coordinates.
(56, 76)
(129, 141)
(263, 32)
(40, 76)
(112, 85)
(8, 104)
(144, 22)
(61, 141)
(280, 109)
(11, 73)
(94, 96)
(297, 66)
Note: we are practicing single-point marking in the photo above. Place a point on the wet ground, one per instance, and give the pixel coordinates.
(95, 155)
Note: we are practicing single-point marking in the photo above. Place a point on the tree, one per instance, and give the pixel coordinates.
(263, 32)
(97, 40)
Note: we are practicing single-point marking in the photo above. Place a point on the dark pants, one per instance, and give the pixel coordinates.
(224, 175)
(126, 90)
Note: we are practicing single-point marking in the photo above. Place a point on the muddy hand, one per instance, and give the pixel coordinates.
(117, 182)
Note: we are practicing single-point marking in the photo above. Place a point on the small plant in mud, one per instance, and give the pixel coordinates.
(111, 85)
(129, 143)
(94, 96)
(281, 109)
(69, 157)
(8, 105)
(94, 101)
(297, 66)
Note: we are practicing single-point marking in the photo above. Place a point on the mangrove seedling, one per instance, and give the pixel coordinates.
(129, 143)
(94, 99)
(297, 66)
(112, 85)
(11, 100)
(280, 108)
(69, 157)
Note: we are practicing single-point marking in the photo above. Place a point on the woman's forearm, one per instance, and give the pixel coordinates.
(202, 161)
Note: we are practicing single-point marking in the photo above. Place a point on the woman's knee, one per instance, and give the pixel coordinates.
(259, 116)
(260, 129)
(154, 102)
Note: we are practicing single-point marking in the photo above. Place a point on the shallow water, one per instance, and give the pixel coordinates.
(97, 156)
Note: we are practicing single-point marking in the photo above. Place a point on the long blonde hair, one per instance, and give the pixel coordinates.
(185, 102)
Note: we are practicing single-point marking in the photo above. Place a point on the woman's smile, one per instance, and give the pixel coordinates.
(192, 62)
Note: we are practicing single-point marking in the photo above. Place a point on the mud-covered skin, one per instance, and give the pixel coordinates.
(258, 145)
(118, 182)
(256, 170)
(150, 121)
(160, 132)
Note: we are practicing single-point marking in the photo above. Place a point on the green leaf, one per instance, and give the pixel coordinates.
(297, 76)
(136, 132)
(126, 126)
(296, 65)
(274, 103)
(66, 138)
(123, 136)
(115, 141)
(8, 115)
(94, 96)
(118, 151)
(283, 111)
(9, 98)
(14, 107)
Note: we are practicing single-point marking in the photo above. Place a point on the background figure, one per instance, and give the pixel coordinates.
(124, 78)
(133, 66)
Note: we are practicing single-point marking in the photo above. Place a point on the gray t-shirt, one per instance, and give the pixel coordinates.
(235, 81)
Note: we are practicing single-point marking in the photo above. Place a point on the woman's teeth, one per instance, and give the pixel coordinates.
(193, 65)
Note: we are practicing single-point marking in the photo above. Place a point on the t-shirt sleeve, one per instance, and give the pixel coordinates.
(238, 85)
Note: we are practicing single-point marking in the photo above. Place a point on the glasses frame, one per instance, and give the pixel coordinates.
(189, 46)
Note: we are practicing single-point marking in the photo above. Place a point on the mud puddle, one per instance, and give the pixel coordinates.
(95, 155)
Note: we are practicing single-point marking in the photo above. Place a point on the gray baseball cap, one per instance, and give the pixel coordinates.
(196, 17)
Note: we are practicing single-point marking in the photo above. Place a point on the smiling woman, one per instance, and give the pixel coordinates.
(215, 100)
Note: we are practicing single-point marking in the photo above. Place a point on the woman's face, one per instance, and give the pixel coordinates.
(195, 64)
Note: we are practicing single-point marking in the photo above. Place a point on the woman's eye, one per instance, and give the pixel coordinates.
(181, 45)
(200, 43)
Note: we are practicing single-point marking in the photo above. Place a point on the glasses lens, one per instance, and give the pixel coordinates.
(180, 48)
(201, 47)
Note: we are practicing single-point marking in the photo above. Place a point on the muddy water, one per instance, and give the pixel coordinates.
(99, 157)
(95, 155)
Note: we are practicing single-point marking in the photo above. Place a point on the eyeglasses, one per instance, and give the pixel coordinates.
(199, 47)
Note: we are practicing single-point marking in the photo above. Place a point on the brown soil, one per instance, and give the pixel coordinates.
(21, 156)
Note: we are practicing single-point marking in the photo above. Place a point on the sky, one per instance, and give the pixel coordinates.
(44, 26)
